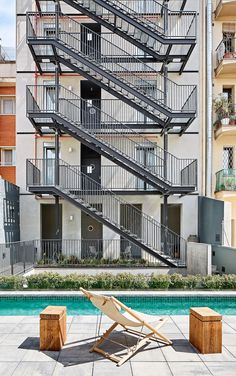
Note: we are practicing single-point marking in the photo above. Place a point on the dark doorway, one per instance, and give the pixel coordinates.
(90, 165)
(134, 224)
(173, 243)
(49, 222)
(49, 231)
(174, 217)
(91, 40)
(91, 235)
(90, 105)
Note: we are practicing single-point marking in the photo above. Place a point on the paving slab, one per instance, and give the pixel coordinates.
(34, 369)
(189, 369)
(20, 355)
(222, 368)
(225, 356)
(73, 370)
(108, 368)
(7, 368)
(154, 369)
(180, 353)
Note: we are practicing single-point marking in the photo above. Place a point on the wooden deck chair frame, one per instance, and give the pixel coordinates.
(143, 338)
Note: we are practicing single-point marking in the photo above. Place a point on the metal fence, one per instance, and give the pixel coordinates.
(226, 180)
(17, 257)
(20, 257)
(78, 252)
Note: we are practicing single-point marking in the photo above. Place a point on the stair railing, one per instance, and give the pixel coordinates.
(117, 62)
(118, 136)
(133, 222)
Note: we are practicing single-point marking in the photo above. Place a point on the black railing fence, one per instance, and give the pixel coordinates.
(130, 144)
(111, 59)
(21, 257)
(85, 191)
(17, 257)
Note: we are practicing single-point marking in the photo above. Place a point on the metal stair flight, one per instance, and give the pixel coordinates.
(85, 193)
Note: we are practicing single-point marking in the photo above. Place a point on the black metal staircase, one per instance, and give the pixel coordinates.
(54, 106)
(114, 70)
(85, 193)
(165, 35)
(160, 38)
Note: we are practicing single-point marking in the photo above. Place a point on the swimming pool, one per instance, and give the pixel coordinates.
(154, 305)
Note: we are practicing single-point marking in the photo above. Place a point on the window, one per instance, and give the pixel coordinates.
(146, 156)
(48, 6)
(7, 105)
(228, 157)
(7, 157)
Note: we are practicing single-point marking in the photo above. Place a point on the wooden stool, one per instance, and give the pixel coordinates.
(52, 328)
(205, 331)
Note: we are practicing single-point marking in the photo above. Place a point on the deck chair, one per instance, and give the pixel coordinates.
(132, 322)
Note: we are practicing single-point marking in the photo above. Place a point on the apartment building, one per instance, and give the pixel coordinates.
(7, 117)
(224, 154)
(111, 126)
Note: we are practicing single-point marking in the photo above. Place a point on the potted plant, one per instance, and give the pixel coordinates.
(228, 55)
(222, 108)
(229, 184)
(232, 119)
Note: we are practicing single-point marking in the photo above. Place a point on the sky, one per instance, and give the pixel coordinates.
(7, 24)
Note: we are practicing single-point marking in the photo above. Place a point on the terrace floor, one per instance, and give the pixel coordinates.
(20, 355)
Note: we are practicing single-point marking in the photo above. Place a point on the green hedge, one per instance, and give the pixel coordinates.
(108, 281)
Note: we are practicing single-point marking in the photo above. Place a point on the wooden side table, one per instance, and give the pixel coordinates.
(205, 332)
(52, 328)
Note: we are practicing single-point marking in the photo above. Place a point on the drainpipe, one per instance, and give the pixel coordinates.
(209, 96)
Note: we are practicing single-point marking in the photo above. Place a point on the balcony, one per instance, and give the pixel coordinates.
(225, 8)
(225, 181)
(226, 58)
(226, 125)
(119, 180)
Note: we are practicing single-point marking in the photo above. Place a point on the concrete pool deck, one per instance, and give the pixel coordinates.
(20, 355)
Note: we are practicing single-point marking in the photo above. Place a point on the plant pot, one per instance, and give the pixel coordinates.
(225, 121)
(232, 122)
(228, 55)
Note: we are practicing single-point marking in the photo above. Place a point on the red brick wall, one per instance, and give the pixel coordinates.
(7, 130)
(7, 90)
(8, 173)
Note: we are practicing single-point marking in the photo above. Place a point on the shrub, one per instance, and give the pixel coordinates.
(177, 281)
(159, 281)
(109, 281)
(11, 282)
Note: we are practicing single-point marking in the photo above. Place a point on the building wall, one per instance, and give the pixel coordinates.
(228, 138)
(31, 146)
(7, 121)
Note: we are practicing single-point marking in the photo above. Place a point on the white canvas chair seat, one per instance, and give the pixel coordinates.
(130, 320)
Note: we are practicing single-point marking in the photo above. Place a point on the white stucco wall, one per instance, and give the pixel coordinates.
(29, 146)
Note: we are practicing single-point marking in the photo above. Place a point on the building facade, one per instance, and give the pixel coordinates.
(112, 139)
(7, 117)
(224, 86)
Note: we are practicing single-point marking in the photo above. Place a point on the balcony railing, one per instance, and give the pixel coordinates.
(226, 50)
(20, 257)
(118, 179)
(91, 252)
(17, 257)
(226, 180)
(179, 99)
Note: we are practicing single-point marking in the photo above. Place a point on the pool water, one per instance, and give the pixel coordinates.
(153, 305)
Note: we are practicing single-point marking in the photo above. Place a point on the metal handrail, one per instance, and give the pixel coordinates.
(226, 49)
(118, 136)
(77, 185)
(144, 11)
(175, 98)
(226, 180)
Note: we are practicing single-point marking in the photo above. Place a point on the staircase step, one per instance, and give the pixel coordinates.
(99, 213)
